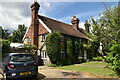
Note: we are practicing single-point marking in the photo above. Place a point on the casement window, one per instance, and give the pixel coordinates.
(62, 53)
(43, 54)
(80, 55)
(62, 38)
(43, 37)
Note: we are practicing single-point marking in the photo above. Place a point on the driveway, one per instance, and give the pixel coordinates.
(50, 72)
(46, 73)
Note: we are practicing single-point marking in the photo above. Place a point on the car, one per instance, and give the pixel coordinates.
(19, 65)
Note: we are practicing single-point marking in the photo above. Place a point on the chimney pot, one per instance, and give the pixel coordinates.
(75, 22)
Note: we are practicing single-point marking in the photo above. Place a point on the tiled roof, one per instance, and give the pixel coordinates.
(63, 28)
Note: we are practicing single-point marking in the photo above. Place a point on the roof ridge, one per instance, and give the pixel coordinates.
(55, 20)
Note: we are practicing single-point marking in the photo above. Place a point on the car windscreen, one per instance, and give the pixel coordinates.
(21, 58)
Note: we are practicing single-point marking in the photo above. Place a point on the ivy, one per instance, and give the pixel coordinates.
(53, 47)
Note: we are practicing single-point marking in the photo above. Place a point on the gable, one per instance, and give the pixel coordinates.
(42, 29)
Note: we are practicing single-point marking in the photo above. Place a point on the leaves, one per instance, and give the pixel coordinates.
(5, 44)
(106, 28)
(53, 47)
(19, 34)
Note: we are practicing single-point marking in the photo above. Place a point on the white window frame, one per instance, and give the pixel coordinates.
(43, 37)
(43, 54)
(62, 53)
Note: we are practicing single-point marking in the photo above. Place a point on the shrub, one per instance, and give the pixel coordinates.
(5, 44)
(99, 58)
(51, 65)
(30, 48)
(53, 47)
(114, 58)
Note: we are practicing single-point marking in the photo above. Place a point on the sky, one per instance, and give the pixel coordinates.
(14, 13)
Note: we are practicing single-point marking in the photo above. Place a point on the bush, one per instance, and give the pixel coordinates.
(51, 65)
(5, 44)
(114, 58)
(53, 47)
(99, 58)
(30, 48)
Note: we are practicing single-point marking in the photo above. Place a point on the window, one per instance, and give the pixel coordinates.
(62, 54)
(21, 58)
(62, 39)
(43, 54)
(43, 37)
(80, 56)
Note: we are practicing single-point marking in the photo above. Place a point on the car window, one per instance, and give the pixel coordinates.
(6, 59)
(21, 58)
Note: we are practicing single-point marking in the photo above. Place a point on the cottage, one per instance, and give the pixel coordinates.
(41, 26)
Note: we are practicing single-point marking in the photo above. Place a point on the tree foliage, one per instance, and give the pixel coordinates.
(106, 29)
(13, 36)
(30, 48)
(5, 33)
(53, 47)
(114, 58)
(19, 33)
(5, 44)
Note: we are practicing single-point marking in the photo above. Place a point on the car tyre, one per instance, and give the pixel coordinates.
(35, 76)
(5, 76)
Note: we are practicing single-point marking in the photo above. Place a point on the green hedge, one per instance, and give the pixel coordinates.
(5, 44)
(99, 58)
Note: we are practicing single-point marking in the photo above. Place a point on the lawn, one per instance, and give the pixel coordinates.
(90, 67)
(96, 63)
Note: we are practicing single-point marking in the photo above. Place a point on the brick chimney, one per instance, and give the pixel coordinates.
(34, 8)
(75, 22)
(35, 23)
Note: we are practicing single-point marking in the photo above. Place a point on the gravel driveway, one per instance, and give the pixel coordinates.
(50, 72)
(46, 73)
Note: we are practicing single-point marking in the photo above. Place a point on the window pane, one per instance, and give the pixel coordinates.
(21, 58)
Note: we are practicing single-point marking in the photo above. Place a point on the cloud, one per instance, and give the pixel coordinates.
(14, 13)
(46, 4)
(61, 0)
(81, 25)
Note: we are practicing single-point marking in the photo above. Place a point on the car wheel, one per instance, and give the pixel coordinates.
(35, 76)
(5, 76)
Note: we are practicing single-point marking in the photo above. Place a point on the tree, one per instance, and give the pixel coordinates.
(107, 31)
(87, 26)
(5, 33)
(18, 34)
(107, 28)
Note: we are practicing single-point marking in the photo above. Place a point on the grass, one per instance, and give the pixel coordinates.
(96, 63)
(90, 69)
